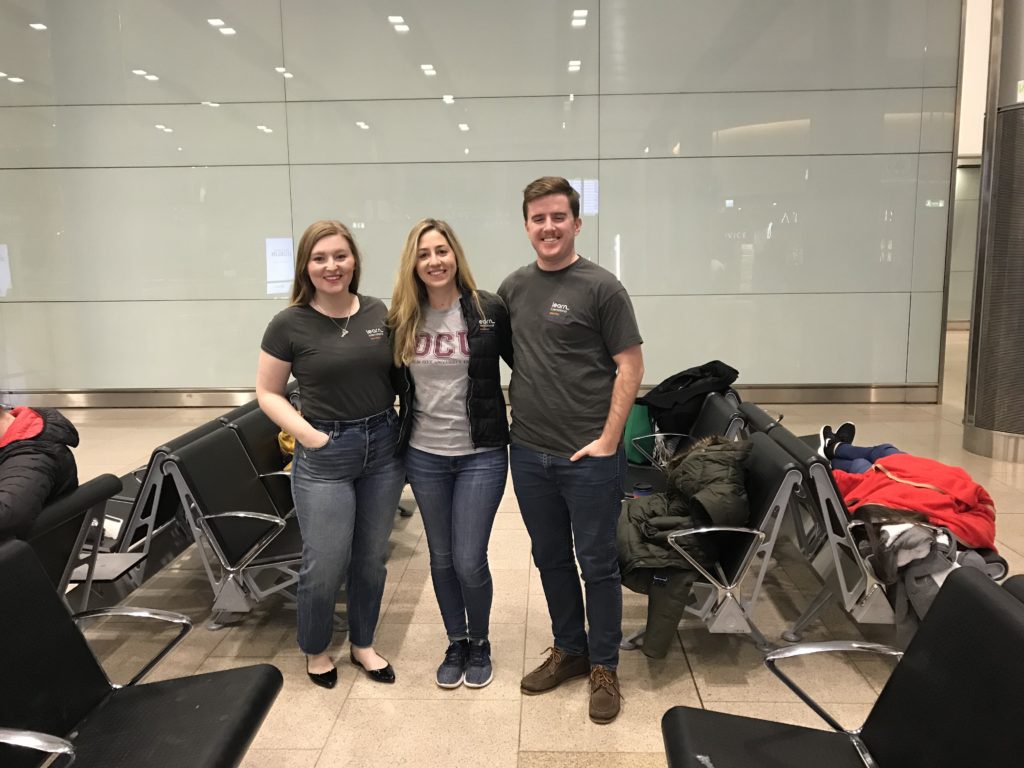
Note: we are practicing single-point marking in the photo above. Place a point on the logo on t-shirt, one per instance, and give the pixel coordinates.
(559, 313)
(444, 348)
(486, 324)
(375, 334)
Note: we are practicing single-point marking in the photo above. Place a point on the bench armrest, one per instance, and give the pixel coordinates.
(242, 514)
(41, 742)
(256, 547)
(681, 534)
(649, 455)
(184, 625)
(808, 649)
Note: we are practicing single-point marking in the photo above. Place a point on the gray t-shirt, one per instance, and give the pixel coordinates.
(440, 371)
(340, 378)
(566, 326)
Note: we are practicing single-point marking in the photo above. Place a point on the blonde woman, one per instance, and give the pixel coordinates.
(448, 337)
(346, 479)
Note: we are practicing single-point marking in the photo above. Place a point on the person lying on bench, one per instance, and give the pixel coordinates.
(885, 476)
(837, 446)
(36, 464)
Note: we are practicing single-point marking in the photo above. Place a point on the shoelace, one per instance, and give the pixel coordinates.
(454, 654)
(602, 678)
(479, 654)
(554, 658)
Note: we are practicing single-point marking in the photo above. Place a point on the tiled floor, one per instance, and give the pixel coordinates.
(415, 723)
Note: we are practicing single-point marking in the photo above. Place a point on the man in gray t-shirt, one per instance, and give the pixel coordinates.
(578, 366)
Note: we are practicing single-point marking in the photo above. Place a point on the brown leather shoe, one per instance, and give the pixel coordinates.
(556, 669)
(605, 697)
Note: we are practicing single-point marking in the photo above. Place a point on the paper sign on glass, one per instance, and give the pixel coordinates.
(280, 265)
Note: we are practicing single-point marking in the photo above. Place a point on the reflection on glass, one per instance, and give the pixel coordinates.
(589, 191)
(5, 271)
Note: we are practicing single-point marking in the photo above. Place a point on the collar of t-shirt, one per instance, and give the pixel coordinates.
(26, 425)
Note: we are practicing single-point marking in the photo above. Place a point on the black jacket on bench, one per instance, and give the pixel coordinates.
(35, 470)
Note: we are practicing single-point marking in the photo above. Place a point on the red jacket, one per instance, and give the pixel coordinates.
(946, 495)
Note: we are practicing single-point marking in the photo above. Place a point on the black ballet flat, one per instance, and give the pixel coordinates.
(383, 675)
(323, 679)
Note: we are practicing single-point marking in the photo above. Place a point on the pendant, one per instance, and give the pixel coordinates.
(344, 332)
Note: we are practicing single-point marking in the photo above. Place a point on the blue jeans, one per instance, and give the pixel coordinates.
(566, 504)
(345, 494)
(458, 497)
(857, 460)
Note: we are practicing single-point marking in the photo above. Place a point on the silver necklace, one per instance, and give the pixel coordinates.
(342, 328)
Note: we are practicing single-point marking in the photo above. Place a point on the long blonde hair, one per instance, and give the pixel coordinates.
(406, 314)
(302, 285)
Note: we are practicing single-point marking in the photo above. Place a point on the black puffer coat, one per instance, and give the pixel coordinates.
(706, 487)
(35, 470)
(490, 339)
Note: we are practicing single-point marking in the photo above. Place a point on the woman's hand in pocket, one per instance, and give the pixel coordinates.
(322, 439)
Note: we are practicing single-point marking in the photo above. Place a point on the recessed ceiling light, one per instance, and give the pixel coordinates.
(261, 127)
(574, 69)
(215, 22)
(268, 130)
(138, 71)
(580, 14)
(400, 28)
(280, 69)
(179, 149)
(152, 77)
(37, 26)
(159, 126)
(572, 97)
(448, 99)
(363, 125)
(213, 104)
(396, 20)
(15, 80)
(463, 126)
(579, 22)
(227, 30)
(465, 151)
(288, 75)
(574, 63)
(425, 67)
(430, 72)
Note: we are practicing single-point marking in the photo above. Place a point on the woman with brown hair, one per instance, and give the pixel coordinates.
(346, 480)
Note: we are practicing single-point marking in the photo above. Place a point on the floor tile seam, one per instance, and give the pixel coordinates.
(1018, 551)
(357, 696)
(424, 700)
(794, 700)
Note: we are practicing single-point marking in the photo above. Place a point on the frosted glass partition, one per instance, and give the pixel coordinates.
(770, 180)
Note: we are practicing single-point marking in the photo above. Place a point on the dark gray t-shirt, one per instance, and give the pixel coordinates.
(566, 326)
(340, 378)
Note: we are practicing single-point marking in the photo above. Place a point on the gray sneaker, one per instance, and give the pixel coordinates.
(452, 671)
(478, 669)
